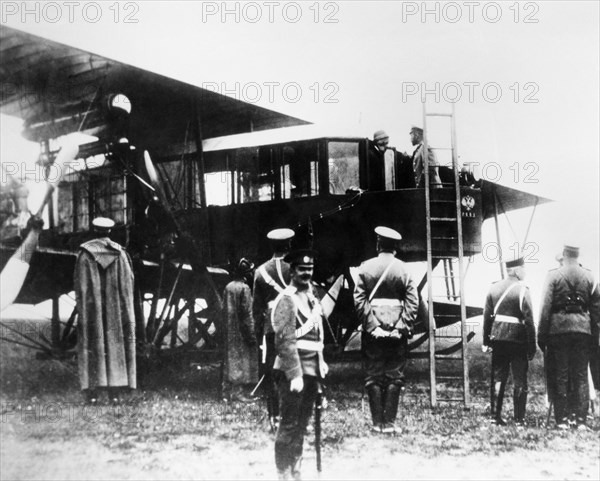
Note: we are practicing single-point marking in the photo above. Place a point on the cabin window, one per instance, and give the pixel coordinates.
(218, 188)
(299, 169)
(91, 193)
(254, 177)
(343, 166)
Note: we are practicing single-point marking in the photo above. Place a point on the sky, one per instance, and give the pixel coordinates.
(523, 76)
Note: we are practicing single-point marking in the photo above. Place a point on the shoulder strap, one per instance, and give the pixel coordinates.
(387, 269)
(279, 272)
(572, 288)
(521, 297)
(268, 279)
(503, 296)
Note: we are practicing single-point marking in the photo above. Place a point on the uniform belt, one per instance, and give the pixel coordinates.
(385, 302)
(309, 345)
(573, 310)
(507, 319)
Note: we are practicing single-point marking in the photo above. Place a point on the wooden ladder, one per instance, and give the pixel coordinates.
(445, 243)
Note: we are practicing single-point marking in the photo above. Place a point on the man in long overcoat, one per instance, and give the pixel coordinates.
(106, 326)
(241, 358)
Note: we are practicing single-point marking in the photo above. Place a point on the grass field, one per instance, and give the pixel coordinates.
(175, 427)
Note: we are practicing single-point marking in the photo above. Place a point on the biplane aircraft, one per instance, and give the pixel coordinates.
(194, 180)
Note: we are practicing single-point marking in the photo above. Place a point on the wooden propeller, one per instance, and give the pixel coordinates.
(14, 272)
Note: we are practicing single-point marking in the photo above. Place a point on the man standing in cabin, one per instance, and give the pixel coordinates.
(106, 327)
(270, 279)
(297, 319)
(240, 368)
(418, 160)
(400, 172)
(376, 160)
(568, 332)
(509, 330)
(386, 301)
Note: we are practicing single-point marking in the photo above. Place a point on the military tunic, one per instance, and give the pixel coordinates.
(508, 327)
(270, 279)
(298, 326)
(396, 295)
(568, 329)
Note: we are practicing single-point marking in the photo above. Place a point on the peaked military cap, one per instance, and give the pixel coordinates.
(571, 251)
(387, 233)
(380, 135)
(301, 257)
(280, 234)
(419, 130)
(103, 223)
(515, 263)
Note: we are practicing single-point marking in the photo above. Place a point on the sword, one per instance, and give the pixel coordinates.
(257, 385)
(318, 409)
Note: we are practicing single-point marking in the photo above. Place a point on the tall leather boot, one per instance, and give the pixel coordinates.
(520, 404)
(391, 397)
(376, 404)
(296, 474)
(284, 474)
(498, 407)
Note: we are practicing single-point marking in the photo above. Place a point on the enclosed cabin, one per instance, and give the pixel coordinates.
(329, 190)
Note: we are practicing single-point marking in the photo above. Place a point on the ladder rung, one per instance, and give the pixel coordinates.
(450, 399)
(443, 237)
(442, 201)
(434, 114)
(441, 148)
(450, 378)
(443, 219)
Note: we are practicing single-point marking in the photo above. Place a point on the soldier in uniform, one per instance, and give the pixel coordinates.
(386, 301)
(297, 319)
(270, 279)
(418, 159)
(509, 330)
(568, 332)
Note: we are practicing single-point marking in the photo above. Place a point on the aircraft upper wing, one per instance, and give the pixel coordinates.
(506, 199)
(57, 89)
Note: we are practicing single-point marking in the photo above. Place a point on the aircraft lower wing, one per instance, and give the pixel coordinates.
(504, 199)
(50, 274)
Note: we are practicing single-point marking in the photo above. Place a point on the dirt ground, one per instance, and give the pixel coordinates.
(200, 457)
(176, 427)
